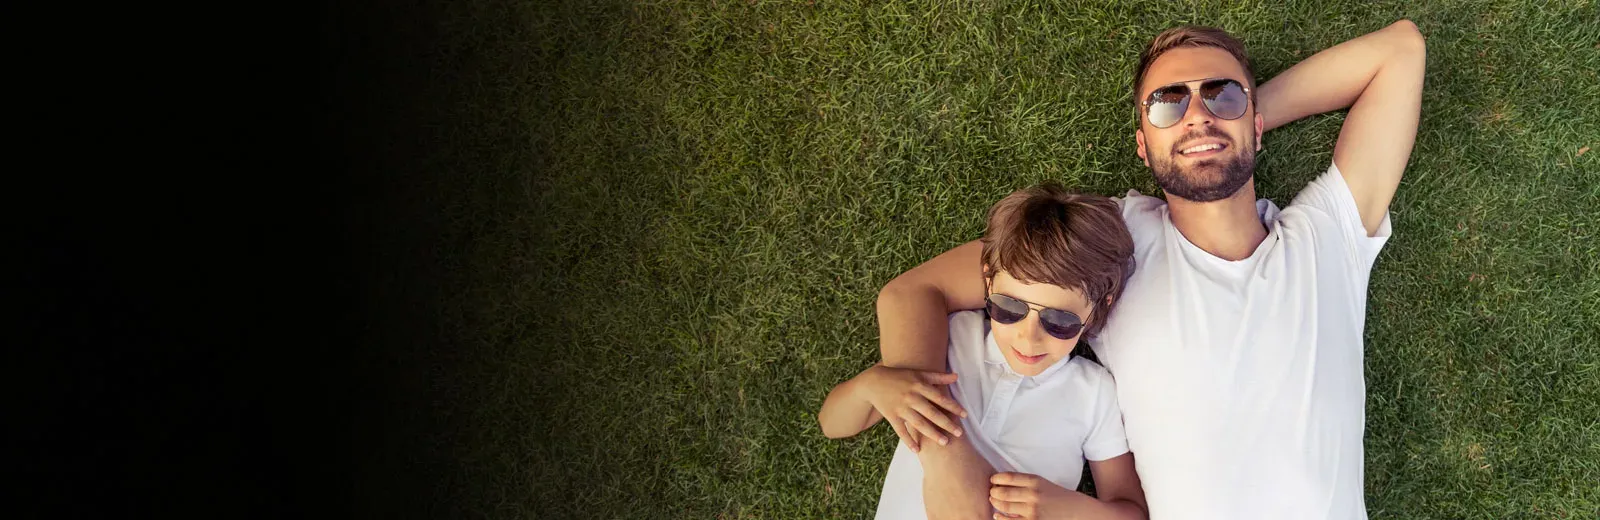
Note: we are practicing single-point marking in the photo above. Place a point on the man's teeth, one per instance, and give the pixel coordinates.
(1203, 148)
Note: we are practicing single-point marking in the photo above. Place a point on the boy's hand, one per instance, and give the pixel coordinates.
(1022, 495)
(914, 402)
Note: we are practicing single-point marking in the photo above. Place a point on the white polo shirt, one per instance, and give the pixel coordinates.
(1241, 381)
(1046, 425)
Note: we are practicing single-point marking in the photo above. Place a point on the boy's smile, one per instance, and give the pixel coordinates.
(1029, 360)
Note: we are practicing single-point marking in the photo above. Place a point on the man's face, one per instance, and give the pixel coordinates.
(1184, 157)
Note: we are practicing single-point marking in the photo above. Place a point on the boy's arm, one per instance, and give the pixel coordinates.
(954, 482)
(1116, 483)
(847, 411)
(1379, 76)
(1032, 496)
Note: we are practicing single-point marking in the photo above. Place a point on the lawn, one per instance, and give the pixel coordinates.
(655, 232)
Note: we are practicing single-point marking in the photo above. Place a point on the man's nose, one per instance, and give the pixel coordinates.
(1197, 113)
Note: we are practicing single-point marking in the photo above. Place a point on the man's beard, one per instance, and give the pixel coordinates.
(1196, 182)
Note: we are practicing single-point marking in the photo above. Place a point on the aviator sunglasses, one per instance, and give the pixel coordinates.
(1057, 323)
(1225, 98)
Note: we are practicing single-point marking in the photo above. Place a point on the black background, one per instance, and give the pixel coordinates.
(224, 274)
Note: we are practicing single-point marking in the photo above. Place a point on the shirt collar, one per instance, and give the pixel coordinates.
(992, 355)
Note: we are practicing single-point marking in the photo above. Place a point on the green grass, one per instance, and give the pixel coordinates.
(662, 226)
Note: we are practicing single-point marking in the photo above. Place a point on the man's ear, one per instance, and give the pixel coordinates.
(1138, 135)
(1261, 128)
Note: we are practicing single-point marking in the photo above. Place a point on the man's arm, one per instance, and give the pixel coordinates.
(1379, 77)
(914, 332)
(913, 326)
(913, 307)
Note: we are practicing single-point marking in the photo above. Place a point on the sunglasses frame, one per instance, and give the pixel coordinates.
(1032, 308)
(1191, 93)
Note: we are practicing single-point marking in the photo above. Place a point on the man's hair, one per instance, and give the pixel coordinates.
(1189, 36)
(1046, 234)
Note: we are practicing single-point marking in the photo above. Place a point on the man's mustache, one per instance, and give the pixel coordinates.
(1209, 131)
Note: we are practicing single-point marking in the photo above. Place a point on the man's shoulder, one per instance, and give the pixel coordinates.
(1145, 216)
(1138, 203)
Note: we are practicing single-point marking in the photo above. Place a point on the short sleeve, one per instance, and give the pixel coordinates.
(967, 340)
(967, 333)
(1106, 438)
(1145, 219)
(1330, 195)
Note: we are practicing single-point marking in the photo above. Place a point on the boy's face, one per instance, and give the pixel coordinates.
(1027, 347)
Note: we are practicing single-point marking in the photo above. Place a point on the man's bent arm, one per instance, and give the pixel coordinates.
(913, 330)
(914, 308)
(1379, 76)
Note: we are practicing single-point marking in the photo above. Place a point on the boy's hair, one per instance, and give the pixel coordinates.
(1190, 36)
(1046, 234)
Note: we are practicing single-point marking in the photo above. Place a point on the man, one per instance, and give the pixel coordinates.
(1237, 348)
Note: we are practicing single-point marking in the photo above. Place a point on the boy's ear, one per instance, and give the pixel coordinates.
(1096, 311)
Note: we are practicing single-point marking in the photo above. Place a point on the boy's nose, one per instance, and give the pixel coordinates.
(1032, 334)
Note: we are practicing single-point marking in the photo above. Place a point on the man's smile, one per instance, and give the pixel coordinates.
(1202, 148)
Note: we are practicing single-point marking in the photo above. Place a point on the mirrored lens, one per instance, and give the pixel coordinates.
(1061, 324)
(1167, 105)
(1224, 98)
(1006, 310)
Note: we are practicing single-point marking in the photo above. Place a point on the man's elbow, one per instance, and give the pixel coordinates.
(893, 291)
(894, 295)
(1408, 36)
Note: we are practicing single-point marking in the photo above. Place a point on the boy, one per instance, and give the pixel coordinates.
(1054, 263)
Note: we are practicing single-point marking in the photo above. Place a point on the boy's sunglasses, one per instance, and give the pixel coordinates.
(1225, 98)
(1057, 323)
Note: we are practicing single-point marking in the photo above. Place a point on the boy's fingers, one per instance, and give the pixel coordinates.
(900, 431)
(927, 429)
(938, 417)
(1012, 494)
(1009, 509)
(1013, 479)
(943, 400)
(938, 378)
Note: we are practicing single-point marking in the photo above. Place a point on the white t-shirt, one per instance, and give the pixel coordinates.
(1045, 425)
(1241, 382)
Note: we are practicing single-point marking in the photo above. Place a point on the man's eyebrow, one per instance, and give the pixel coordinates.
(1170, 83)
(1187, 81)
